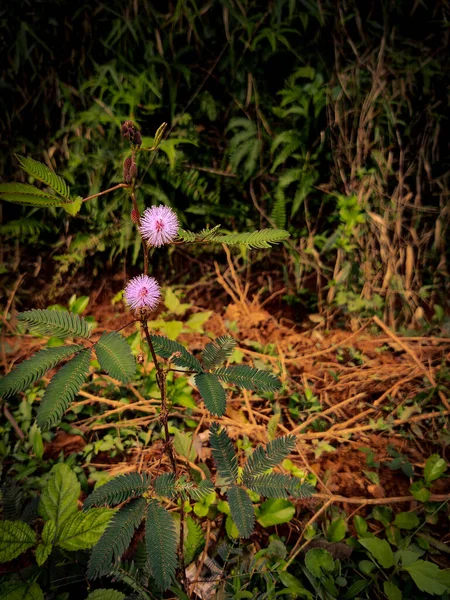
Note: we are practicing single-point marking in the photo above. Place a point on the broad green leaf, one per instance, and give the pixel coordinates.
(78, 305)
(15, 538)
(434, 468)
(196, 321)
(337, 530)
(173, 304)
(419, 491)
(356, 587)
(429, 578)
(106, 594)
(18, 590)
(84, 529)
(294, 585)
(391, 590)
(115, 357)
(43, 551)
(318, 561)
(360, 525)
(380, 550)
(59, 500)
(275, 511)
(406, 520)
(182, 443)
(74, 207)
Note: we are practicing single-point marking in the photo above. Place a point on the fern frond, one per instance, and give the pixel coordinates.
(165, 485)
(223, 453)
(116, 539)
(217, 352)
(161, 543)
(59, 323)
(23, 227)
(279, 211)
(249, 378)
(41, 172)
(177, 353)
(194, 542)
(115, 357)
(271, 485)
(33, 369)
(276, 451)
(254, 239)
(62, 389)
(241, 509)
(118, 490)
(204, 488)
(212, 393)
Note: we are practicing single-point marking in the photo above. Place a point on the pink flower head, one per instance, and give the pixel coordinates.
(143, 292)
(159, 225)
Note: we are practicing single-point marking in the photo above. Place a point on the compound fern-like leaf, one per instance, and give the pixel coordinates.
(194, 542)
(33, 369)
(249, 378)
(116, 538)
(165, 485)
(62, 389)
(177, 353)
(41, 172)
(223, 453)
(115, 357)
(276, 451)
(212, 393)
(271, 485)
(204, 488)
(118, 490)
(161, 543)
(59, 323)
(241, 509)
(254, 239)
(217, 352)
(37, 200)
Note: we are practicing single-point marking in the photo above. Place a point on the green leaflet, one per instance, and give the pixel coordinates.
(58, 323)
(161, 543)
(106, 594)
(62, 389)
(223, 453)
(270, 485)
(249, 378)
(204, 488)
(254, 239)
(18, 590)
(34, 368)
(212, 393)
(118, 490)
(116, 539)
(241, 509)
(41, 172)
(22, 188)
(83, 529)
(115, 357)
(276, 451)
(177, 353)
(15, 538)
(217, 352)
(165, 485)
(59, 500)
(30, 200)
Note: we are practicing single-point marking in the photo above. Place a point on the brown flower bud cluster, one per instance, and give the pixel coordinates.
(129, 169)
(130, 133)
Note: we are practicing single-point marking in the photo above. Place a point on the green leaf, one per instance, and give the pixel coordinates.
(59, 323)
(318, 561)
(119, 489)
(204, 488)
(380, 550)
(106, 594)
(41, 172)
(241, 509)
(62, 389)
(194, 542)
(34, 368)
(391, 590)
(223, 453)
(83, 529)
(15, 538)
(429, 578)
(30, 200)
(274, 512)
(218, 351)
(434, 468)
(360, 525)
(59, 500)
(165, 485)
(254, 239)
(355, 589)
(115, 357)
(212, 393)
(74, 207)
(18, 590)
(182, 442)
(173, 304)
(161, 543)
(116, 539)
(405, 520)
(177, 353)
(249, 378)
(48, 537)
(43, 551)
(419, 491)
(197, 320)
(337, 530)
(276, 451)
(21, 188)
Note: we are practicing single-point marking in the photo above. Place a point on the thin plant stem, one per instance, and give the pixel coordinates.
(116, 187)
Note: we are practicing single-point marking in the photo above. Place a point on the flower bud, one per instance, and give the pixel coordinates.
(137, 139)
(135, 216)
(133, 170)
(126, 170)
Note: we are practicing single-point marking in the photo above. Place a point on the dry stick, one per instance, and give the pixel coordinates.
(13, 422)
(407, 349)
(371, 501)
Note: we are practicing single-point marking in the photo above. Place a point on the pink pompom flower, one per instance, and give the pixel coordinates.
(159, 225)
(142, 292)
